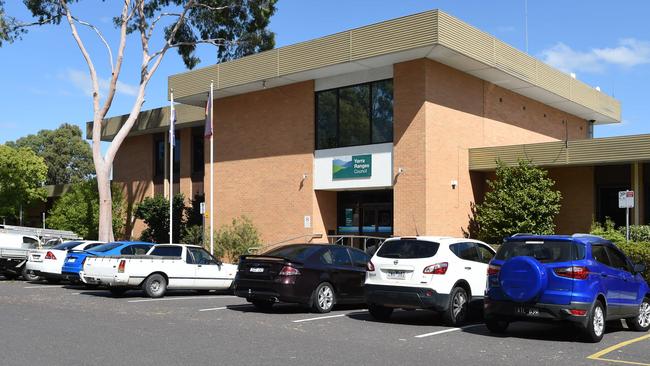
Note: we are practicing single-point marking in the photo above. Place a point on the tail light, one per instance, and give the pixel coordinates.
(370, 267)
(578, 312)
(120, 267)
(493, 270)
(578, 273)
(438, 268)
(289, 271)
(50, 255)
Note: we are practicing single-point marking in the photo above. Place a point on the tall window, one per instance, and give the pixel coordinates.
(160, 158)
(355, 115)
(198, 160)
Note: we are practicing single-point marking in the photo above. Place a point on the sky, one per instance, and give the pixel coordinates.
(44, 80)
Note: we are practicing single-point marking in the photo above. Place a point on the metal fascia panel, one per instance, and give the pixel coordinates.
(248, 69)
(465, 39)
(314, 54)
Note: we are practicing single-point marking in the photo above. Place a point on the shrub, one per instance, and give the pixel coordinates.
(637, 232)
(637, 251)
(193, 235)
(154, 211)
(236, 239)
(521, 199)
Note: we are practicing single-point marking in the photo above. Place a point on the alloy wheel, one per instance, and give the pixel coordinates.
(325, 297)
(644, 314)
(599, 321)
(458, 304)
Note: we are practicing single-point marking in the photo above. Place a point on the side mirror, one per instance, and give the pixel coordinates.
(639, 268)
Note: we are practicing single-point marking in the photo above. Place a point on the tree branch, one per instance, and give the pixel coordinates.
(99, 34)
(214, 8)
(153, 24)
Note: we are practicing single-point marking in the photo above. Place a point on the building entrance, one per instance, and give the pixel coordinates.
(365, 213)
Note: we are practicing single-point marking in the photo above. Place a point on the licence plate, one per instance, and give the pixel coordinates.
(396, 275)
(256, 269)
(527, 311)
(71, 260)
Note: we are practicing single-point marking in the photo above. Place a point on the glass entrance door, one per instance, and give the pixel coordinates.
(365, 213)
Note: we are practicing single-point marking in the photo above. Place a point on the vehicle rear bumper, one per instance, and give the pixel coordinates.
(268, 291)
(406, 297)
(119, 280)
(513, 311)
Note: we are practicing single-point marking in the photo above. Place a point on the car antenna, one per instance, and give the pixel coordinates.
(417, 233)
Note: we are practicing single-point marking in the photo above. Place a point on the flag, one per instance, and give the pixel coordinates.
(172, 122)
(208, 115)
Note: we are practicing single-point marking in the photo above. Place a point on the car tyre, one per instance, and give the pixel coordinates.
(641, 323)
(28, 276)
(10, 276)
(595, 329)
(323, 298)
(458, 308)
(202, 292)
(155, 286)
(496, 325)
(117, 291)
(379, 312)
(262, 305)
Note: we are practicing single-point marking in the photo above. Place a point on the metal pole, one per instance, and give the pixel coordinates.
(211, 172)
(171, 170)
(43, 220)
(627, 225)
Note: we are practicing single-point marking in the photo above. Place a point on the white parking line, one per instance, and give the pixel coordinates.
(184, 298)
(448, 330)
(327, 317)
(43, 286)
(212, 309)
(226, 307)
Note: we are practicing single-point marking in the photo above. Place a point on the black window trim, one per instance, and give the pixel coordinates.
(338, 125)
(197, 132)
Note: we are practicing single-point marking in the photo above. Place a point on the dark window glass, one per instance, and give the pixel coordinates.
(618, 260)
(408, 249)
(106, 247)
(29, 241)
(485, 253)
(159, 156)
(326, 119)
(544, 251)
(198, 153)
(354, 122)
(340, 256)
(466, 251)
(382, 111)
(90, 246)
(66, 245)
(127, 250)
(201, 256)
(174, 251)
(359, 258)
(140, 249)
(299, 252)
(600, 254)
(177, 156)
(326, 257)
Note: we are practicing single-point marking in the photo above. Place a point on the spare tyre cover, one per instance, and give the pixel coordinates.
(523, 278)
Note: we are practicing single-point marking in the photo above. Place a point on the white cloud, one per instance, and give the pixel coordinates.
(81, 80)
(629, 52)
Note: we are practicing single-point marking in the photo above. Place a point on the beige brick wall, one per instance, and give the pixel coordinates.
(578, 198)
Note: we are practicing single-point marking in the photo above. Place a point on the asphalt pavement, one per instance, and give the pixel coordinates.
(52, 325)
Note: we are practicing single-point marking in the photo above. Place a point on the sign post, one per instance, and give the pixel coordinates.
(626, 201)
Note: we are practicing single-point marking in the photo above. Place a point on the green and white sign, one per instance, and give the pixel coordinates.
(355, 166)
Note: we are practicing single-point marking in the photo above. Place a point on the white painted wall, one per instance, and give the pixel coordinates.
(382, 168)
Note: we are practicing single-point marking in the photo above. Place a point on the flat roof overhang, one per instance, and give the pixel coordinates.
(587, 152)
(432, 34)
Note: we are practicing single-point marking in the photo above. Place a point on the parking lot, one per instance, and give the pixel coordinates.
(68, 325)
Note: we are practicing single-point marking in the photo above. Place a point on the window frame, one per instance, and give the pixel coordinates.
(197, 134)
(369, 85)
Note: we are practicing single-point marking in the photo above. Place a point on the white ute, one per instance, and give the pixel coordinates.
(168, 266)
(438, 273)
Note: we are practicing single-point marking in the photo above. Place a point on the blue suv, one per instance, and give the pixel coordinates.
(581, 278)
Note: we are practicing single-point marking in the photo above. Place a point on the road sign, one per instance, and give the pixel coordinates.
(202, 208)
(626, 199)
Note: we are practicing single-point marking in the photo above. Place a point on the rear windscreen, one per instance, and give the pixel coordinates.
(167, 251)
(408, 249)
(106, 247)
(545, 251)
(294, 252)
(66, 245)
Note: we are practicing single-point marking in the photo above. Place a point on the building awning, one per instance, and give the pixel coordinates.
(587, 152)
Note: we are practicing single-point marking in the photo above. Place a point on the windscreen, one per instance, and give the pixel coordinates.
(105, 247)
(298, 253)
(170, 251)
(408, 249)
(66, 245)
(545, 251)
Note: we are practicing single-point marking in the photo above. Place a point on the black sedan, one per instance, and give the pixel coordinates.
(316, 275)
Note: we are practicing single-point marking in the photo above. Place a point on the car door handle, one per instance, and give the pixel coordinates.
(468, 267)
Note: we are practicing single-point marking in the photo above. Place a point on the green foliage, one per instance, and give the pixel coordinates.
(22, 174)
(608, 231)
(154, 211)
(193, 235)
(78, 210)
(637, 232)
(637, 251)
(236, 239)
(67, 155)
(521, 200)
(193, 212)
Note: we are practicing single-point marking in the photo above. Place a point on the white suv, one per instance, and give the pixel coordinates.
(427, 272)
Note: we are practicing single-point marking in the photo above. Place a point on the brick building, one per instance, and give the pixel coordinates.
(388, 129)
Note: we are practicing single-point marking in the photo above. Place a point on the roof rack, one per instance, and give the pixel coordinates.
(41, 233)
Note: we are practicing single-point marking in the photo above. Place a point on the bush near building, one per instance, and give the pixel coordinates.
(236, 239)
(521, 199)
(154, 211)
(637, 251)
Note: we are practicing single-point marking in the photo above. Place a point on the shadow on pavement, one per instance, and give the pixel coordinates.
(550, 332)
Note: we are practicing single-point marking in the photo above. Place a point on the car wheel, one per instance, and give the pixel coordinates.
(53, 281)
(596, 323)
(496, 325)
(155, 286)
(379, 312)
(29, 276)
(10, 276)
(456, 313)
(323, 298)
(641, 323)
(117, 291)
(262, 305)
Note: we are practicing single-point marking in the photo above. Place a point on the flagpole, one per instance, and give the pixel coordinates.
(172, 117)
(211, 170)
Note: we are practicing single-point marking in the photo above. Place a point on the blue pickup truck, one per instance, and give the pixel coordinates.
(579, 278)
(74, 261)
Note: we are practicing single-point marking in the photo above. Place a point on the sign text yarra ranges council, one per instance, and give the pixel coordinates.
(355, 166)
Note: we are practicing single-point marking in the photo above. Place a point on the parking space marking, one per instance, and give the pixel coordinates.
(598, 355)
(226, 307)
(213, 309)
(184, 298)
(43, 286)
(327, 317)
(448, 330)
